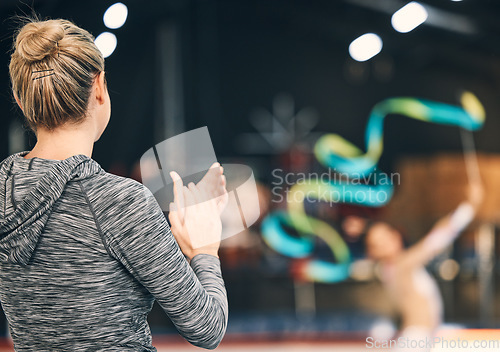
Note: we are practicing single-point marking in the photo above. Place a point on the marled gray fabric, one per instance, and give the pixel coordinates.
(83, 256)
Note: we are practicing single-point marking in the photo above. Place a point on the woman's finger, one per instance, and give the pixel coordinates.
(212, 179)
(178, 194)
(208, 177)
(223, 184)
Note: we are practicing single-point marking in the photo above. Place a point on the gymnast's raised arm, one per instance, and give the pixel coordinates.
(446, 230)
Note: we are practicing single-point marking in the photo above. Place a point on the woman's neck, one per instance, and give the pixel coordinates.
(62, 143)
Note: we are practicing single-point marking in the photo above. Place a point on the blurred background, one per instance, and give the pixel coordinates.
(269, 78)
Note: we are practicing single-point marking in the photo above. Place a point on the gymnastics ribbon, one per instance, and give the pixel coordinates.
(334, 152)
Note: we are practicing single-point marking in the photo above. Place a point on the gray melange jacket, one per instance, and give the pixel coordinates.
(83, 256)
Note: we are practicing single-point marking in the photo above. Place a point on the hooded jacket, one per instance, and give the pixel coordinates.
(83, 256)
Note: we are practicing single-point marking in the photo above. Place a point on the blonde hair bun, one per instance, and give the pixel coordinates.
(52, 69)
(37, 40)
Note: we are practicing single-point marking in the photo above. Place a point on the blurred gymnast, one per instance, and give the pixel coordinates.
(414, 292)
(83, 253)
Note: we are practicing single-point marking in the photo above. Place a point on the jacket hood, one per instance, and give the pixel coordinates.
(42, 182)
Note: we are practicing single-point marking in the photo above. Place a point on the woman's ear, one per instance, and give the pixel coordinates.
(18, 102)
(101, 88)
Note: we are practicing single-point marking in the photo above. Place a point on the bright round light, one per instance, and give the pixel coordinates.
(365, 47)
(409, 17)
(106, 43)
(115, 16)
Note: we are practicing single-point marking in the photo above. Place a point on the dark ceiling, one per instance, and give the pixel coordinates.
(238, 55)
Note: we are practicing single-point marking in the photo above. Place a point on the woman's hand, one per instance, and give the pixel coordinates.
(214, 184)
(195, 213)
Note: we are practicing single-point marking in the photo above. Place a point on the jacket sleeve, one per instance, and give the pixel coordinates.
(192, 294)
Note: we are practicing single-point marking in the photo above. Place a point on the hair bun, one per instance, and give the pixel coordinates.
(37, 40)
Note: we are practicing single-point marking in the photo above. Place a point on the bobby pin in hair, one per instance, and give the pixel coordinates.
(49, 70)
(50, 74)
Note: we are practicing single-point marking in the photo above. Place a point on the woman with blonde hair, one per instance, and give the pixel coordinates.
(83, 253)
